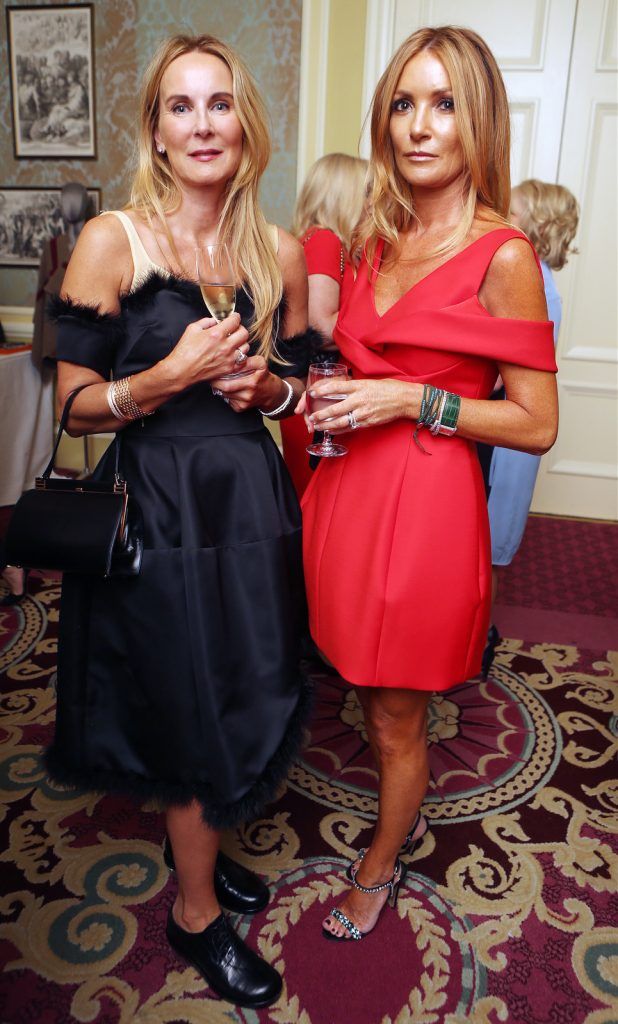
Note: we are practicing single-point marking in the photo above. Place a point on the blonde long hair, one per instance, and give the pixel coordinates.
(482, 117)
(549, 217)
(332, 196)
(242, 226)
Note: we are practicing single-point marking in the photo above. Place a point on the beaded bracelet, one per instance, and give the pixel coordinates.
(439, 413)
(280, 408)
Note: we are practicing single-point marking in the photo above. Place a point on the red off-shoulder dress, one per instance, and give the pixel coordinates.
(324, 254)
(396, 542)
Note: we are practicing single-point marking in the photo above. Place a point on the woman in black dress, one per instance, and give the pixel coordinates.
(182, 684)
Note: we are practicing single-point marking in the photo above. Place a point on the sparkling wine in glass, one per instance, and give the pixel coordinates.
(216, 279)
(325, 371)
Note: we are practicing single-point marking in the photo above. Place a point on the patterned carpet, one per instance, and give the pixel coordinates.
(509, 909)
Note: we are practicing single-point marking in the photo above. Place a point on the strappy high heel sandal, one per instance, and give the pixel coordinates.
(408, 847)
(393, 884)
(411, 842)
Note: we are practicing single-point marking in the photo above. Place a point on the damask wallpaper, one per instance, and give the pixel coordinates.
(126, 33)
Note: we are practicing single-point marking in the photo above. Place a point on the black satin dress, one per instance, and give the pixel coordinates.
(184, 681)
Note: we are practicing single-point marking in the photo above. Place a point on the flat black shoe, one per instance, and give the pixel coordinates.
(230, 967)
(236, 888)
(493, 639)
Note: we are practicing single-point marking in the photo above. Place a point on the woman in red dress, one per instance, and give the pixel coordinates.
(447, 295)
(328, 209)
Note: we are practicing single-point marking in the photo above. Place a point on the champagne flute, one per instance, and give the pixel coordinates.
(325, 371)
(216, 279)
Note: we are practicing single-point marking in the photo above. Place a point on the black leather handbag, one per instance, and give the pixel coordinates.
(82, 526)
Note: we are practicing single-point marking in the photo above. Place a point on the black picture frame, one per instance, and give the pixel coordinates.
(52, 76)
(29, 215)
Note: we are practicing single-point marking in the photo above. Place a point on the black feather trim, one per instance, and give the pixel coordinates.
(57, 307)
(155, 282)
(169, 792)
(298, 351)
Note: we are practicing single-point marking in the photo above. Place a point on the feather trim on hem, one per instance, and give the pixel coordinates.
(172, 793)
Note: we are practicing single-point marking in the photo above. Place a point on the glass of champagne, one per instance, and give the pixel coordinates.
(216, 279)
(317, 372)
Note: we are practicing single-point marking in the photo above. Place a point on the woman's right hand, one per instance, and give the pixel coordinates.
(207, 350)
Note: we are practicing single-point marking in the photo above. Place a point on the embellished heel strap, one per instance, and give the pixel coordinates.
(377, 888)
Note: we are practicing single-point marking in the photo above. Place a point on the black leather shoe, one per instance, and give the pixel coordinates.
(493, 639)
(230, 967)
(236, 888)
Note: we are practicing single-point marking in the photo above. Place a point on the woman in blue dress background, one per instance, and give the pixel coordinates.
(549, 216)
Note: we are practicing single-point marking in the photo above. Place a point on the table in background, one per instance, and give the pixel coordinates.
(26, 423)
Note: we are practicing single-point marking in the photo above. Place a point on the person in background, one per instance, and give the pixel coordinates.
(327, 210)
(182, 684)
(395, 533)
(549, 215)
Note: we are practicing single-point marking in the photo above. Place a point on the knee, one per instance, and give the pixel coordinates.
(394, 736)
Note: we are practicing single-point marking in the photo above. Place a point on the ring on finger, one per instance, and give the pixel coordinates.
(240, 357)
(216, 392)
(352, 420)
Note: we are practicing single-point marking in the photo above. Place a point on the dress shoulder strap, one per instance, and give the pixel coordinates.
(143, 266)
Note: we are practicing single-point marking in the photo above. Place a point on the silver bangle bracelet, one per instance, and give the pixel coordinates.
(111, 401)
(280, 408)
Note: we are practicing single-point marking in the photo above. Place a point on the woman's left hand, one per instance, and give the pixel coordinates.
(257, 387)
(372, 403)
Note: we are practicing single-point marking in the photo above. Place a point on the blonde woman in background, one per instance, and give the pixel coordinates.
(549, 215)
(182, 684)
(328, 209)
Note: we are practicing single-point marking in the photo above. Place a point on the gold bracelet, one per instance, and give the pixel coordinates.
(124, 401)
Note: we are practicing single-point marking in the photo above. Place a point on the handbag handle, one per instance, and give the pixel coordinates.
(62, 427)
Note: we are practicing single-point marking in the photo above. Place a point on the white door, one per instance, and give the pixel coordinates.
(580, 473)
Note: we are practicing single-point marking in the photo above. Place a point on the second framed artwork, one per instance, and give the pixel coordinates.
(28, 217)
(51, 63)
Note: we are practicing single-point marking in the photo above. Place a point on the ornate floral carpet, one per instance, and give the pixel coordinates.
(510, 906)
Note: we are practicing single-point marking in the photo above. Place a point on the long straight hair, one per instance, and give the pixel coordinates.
(242, 225)
(483, 123)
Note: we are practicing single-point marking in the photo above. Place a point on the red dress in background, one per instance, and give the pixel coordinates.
(396, 542)
(324, 254)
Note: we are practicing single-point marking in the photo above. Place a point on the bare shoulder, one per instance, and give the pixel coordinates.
(513, 284)
(295, 282)
(291, 253)
(100, 268)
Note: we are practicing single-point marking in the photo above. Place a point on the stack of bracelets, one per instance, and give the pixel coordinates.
(121, 402)
(439, 413)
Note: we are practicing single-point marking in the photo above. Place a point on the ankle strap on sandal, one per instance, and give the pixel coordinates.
(376, 888)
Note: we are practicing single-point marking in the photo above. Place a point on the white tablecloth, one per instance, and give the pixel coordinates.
(26, 424)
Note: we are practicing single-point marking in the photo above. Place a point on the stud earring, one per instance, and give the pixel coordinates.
(161, 150)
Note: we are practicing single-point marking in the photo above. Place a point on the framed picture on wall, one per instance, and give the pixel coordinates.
(51, 63)
(28, 217)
